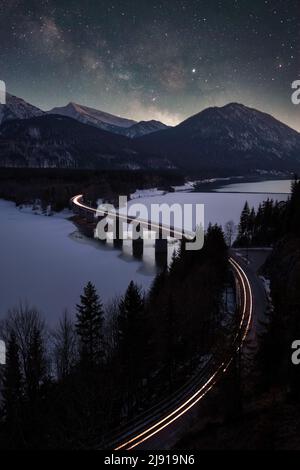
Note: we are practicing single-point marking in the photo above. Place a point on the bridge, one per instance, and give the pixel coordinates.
(143, 432)
(142, 228)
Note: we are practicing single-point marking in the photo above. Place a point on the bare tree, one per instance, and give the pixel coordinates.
(26, 323)
(229, 232)
(111, 327)
(65, 346)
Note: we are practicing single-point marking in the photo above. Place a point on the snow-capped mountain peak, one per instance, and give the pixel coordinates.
(93, 117)
(108, 122)
(16, 108)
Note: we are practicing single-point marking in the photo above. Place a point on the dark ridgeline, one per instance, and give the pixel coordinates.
(219, 141)
(68, 388)
(52, 141)
(227, 141)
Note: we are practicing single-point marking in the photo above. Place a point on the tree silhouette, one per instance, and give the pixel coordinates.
(64, 346)
(229, 232)
(89, 327)
(243, 229)
(12, 391)
(132, 339)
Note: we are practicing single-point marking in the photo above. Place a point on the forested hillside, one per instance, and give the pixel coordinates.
(69, 388)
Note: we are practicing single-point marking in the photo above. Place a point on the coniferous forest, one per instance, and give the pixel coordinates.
(128, 128)
(278, 225)
(272, 221)
(55, 186)
(69, 388)
(266, 383)
(104, 365)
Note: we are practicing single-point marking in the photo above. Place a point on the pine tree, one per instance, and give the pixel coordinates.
(12, 391)
(170, 341)
(132, 339)
(36, 373)
(244, 222)
(243, 231)
(131, 310)
(89, 327)
(158, 285)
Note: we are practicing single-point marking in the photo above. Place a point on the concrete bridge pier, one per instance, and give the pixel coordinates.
(138, 248)
(118, 233)
(99, 218)
(161, 245)
(161, 251)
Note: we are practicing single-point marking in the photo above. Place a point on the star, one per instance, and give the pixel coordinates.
(113, 56)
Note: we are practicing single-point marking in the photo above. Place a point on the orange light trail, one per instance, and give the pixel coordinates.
(199, 395)
(212, 381)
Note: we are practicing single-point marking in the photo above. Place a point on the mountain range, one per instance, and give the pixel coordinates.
(232, 139)
(108, 122)
(59, 141)
(16, 108)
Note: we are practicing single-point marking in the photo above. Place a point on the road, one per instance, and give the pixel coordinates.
(160, 228)
(162, 417)
(145, 438)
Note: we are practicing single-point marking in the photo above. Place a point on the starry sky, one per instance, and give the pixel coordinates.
(153, 59)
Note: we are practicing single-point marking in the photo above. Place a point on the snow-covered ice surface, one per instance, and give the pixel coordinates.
(46, 261)
(37, 210)
(188, 186)
(146, 193)
(275, 186)
(43, 264)
(218, 208)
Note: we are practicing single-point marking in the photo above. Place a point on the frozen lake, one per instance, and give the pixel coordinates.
(46, 262)
(218, 207)
(42, 263)
(267, 187)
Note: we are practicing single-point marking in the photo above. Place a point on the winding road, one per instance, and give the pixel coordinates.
(165, 414)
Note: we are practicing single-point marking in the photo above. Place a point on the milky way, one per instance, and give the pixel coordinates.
(143, 59)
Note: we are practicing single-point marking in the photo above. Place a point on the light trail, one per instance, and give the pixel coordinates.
(180, 234)
(196, 397)
(208, 385)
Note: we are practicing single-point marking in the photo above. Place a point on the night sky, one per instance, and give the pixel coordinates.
(151, 59)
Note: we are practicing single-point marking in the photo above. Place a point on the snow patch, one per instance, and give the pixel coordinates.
(147, 193)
